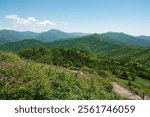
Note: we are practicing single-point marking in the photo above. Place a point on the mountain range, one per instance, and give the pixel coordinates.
(92, 43)
(110, 56)
(55, 35)
(144, 37)
(126, 39)
(95, 43)
(51, 35)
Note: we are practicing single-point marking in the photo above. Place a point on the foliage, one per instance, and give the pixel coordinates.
(29, 80)
(60, 57)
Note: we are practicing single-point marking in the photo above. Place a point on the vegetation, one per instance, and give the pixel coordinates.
(54, 34)
(56, 66)
(128, 39)
(22, 79)
(3, 41)
(12, 36)
(20, 45)
(92, 43)
(60, 57)
(129, 70)
(51, 35)
(139, 86)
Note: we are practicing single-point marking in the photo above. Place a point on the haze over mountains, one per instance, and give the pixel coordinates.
(97, 43)
(126, 39)
(48, 36)
(145, 37)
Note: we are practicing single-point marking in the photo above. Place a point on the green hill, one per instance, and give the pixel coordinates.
(128, 39)
(54, 34)
(129, 59)
(132, 53)
(3, 41)
(136, 68)
(60, 57)
(92, 43)
(20, 45)
(144, 37)
(58, 71)
(12, 35)
(23, 79)
(48, 36)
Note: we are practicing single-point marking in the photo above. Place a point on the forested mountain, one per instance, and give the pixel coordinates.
(3, 41)
(145, 37)
(54, 34)
(20, 45)
(93, 43)
(48, 36)
(127, 39)
(59, 56)
(12, 35)
(30, 35)
(95, 54)
(77, 34)
(129, 70)
(131, 53)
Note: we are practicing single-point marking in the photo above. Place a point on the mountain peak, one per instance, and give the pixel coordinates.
(110, 32)
(54, 30)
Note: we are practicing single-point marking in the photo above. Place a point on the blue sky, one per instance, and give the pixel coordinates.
(129, 16)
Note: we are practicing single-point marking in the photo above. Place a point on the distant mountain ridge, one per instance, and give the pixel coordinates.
(144, 37)
(126, 39)
(12, 35)
(92, 43)
(54, 34)
(51, 35)
(3, 41)
(23, 44)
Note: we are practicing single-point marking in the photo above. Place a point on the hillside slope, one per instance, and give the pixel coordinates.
(132, 53)
(132, 72)
(54, 34)
(12, 35)
(20, 45)
(126, 39)
(47, 36)
(3, 41)
(22, 79)
(92, 43)
(144, 37)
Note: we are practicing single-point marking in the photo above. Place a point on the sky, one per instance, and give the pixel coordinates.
(88, 16)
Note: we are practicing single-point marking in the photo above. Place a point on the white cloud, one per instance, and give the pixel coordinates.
(32, 19)
(29, 24)
(45, 23)
(15, 17)
(64, 23)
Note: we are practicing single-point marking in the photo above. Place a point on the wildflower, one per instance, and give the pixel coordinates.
(1, 78)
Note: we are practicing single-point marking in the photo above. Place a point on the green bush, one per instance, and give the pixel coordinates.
(30, 80)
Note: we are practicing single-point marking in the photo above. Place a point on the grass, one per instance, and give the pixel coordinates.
(23, 79)
(140, 86)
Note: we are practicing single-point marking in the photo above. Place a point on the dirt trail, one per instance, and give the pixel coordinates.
(117, 88)
(124, 92)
